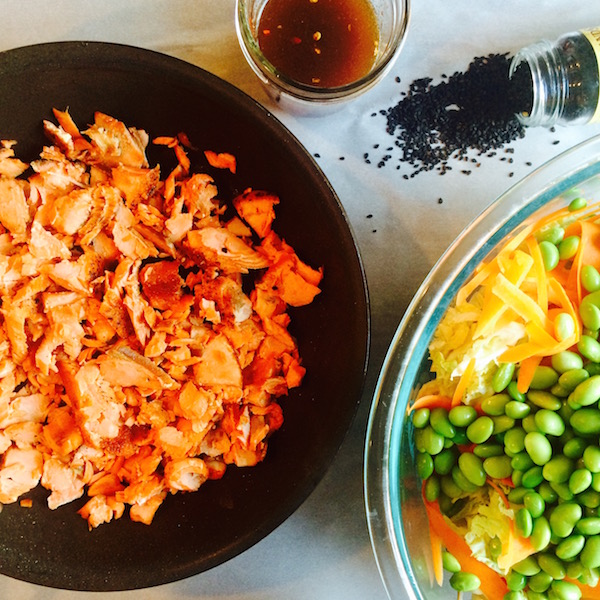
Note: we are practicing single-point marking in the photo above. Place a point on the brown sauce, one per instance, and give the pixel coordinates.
(324, 43)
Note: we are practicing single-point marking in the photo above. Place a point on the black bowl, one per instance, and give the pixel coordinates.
(196, 531)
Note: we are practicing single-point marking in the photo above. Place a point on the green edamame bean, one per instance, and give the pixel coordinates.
(538, 447)
(514, 440)
(544, 399)
(515, 595)
(432, 488)
(450, 563)
(591, 458)
(543, 378)
(488, 449)
(533, 477)
(539, 583)
(586, 421)
(590, 555)
(587, 392)
(547, 493)
(433, 442)
(495, 547)
(421, 417)
(552, 565)
(592, 368)
(498, 467)
(514, 393)
(502, 377)
(562, 490)
(517, 494)
(563, 519)
(588, 526)
(564, 326)
(462, 415)
(517, 478)
(596, 481)
(521, 461)
(590, 577)
(534, 503)
(516, 581)
(566, 361)
(550, 254)
(569, 380)
(460, 438)
(568, 247)
(580, 480)
(570, 547)
(565, 590)
(589, 348)
(558, 469)
(553, 233)
(528, 566)
(524, 522)
(472, 468)
(576, 204)
(517, 410)
(528, 424)
(541, 534)
(438, 419)
(590, 316)
(444, 461)
(575, 448)
(494, 405)
(424, 464)
(574, 569)
(549, 422)
(449, 487)
(590, 278)
(464, 582)
(480, 430)
(589, 498)
(502, 423)
(461, 480)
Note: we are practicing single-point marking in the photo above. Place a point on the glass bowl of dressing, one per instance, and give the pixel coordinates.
(318, 53)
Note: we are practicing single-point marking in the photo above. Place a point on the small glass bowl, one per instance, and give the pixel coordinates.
(395, 513)
(392, 17)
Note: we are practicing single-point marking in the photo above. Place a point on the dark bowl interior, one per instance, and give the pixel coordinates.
(197, 531)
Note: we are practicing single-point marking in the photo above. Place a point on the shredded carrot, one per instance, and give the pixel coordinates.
(463, 383)
(431, 401)
(526, 372)
(492, 584)
(499, 491)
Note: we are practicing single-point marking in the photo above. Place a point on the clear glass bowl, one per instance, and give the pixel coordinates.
(392, 17)
(395, 513)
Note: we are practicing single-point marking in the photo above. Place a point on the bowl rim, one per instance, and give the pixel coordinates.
(393, 390)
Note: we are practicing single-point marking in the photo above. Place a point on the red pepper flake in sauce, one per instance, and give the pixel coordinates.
(325, 43)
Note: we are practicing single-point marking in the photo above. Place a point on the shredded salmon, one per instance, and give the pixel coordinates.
(144, 338)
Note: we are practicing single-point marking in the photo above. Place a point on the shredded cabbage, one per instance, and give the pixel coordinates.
(453, 347)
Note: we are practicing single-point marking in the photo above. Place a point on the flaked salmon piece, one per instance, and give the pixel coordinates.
(106, 202)
(101, 509)
(161, 283)
(221, 160)
(61, 432)
(127, 368)
(20, 472)
(56, 176)
(64, 483)
(217, 245)
(185, 475)
(144, 513)
(99, 412)
(114, 144)
(45, 246)
(200, 406)
(136, 184)
(71, 275)
(199, 193)
(218, 365)
(131, 244)
(67, 214)
(228, 295)
(14, 210)
(10, 167)
(141, 314)
(173, 443)
(15, 315)
(256, 207)
(22, 409)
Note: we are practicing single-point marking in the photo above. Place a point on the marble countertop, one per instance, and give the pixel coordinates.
(323, 552)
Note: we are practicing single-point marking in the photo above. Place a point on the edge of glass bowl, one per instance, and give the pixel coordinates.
(408, 349)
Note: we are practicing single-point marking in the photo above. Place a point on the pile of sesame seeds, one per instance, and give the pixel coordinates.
(465, 117)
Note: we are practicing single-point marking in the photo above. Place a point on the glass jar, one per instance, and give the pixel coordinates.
(563, 77)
